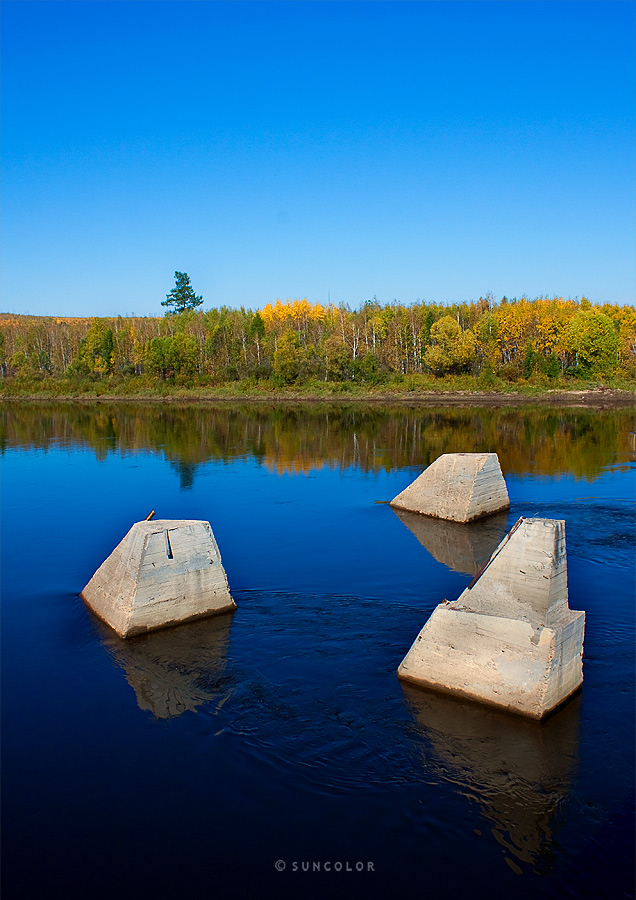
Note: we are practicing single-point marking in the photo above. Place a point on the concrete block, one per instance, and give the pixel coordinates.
(162, 573)
(510, 639)
(457, 486)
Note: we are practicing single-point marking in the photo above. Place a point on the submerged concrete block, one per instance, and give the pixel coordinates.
(457, 486)
(510, 639)
(162, 573)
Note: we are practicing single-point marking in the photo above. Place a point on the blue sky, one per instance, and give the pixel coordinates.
(411, 151)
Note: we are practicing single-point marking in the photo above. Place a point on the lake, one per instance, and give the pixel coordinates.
(273, 751)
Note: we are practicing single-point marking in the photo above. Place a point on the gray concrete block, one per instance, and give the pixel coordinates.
(510, 639)
(460, 487)
(162, 573)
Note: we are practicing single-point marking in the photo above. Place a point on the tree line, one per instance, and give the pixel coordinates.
(297, 341)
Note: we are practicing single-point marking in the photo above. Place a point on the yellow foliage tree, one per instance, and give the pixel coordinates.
(451, 350)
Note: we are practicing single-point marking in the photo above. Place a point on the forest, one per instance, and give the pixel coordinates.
(486, 343)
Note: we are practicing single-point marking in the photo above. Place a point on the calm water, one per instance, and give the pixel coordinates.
(185, 764)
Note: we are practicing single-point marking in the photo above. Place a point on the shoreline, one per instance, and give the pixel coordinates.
(593, 398)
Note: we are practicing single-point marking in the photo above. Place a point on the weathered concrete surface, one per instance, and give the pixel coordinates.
(461, 547)
(163, 572)
(457, 486)
(510, 639)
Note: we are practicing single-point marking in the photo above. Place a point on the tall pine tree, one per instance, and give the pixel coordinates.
(181, 297)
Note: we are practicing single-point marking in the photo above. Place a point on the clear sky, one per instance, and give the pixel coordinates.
(412, 151)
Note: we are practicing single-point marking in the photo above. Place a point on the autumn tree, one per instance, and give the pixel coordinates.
(451, 350)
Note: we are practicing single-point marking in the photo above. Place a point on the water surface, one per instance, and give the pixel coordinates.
(189, 762)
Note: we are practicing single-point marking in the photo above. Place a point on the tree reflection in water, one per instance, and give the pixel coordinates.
(536, 441)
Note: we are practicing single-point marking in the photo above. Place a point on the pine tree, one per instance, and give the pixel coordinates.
(181, 297)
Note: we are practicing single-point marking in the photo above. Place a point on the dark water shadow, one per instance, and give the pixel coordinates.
(463, 548)
(176, 669)
(518, 771)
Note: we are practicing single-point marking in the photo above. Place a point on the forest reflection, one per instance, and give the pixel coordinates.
(538, 441)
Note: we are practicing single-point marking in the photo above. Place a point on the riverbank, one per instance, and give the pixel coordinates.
(596, 397)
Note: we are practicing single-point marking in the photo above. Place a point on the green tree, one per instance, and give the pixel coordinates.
(183, 354)
(257, 333)
(95, 354)
(593, 341)
(182, 297)
(368, 368)
(157, 355)
(170, 356)
(287, 357)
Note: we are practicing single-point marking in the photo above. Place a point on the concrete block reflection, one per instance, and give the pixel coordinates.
(517, 772)
(175, 670)
(463, 548)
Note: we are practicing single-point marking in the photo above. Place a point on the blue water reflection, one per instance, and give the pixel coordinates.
(188, 762)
